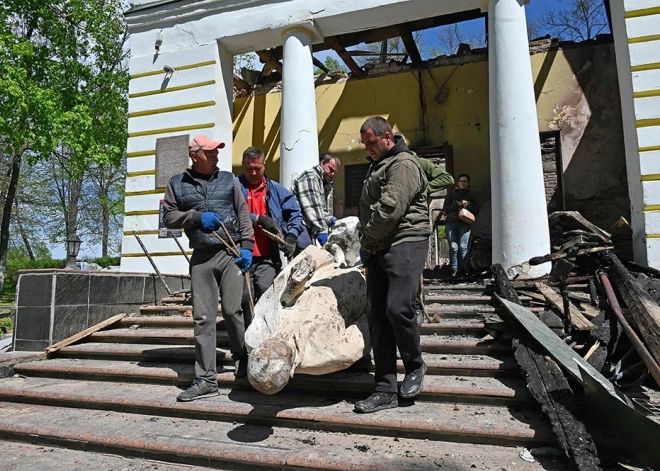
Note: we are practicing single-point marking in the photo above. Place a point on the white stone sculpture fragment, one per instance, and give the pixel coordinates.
(344, 242)
(310, 321)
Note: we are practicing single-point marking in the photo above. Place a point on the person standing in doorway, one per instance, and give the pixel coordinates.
(200, 200)
(458, 231)
(272, 208)
(313, 188)
(393, 214)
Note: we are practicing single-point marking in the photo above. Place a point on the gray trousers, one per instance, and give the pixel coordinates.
(208, 271)
(262, 275)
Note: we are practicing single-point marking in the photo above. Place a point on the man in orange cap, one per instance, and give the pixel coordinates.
(198, 200)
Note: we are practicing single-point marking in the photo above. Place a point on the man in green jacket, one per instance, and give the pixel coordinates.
(393, 213)
(437, 177)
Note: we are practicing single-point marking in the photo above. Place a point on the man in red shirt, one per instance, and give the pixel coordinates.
(275, 209)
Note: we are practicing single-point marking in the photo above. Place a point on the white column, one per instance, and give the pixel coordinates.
(224, 107)
(520, 220)
(299, 145)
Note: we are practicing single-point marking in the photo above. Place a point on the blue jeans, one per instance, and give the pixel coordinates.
(458, 236)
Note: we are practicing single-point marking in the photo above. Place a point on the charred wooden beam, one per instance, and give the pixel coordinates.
(320, 65)
(643, 311)
(267, 57)
(339, 48)
(240, 83)
(411, 46)
(549, 387)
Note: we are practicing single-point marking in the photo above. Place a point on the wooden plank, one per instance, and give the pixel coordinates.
(240, 83)
(355, 69)
(411, 46)
(85, 333)
(267, 58)
(576, 317)
(643, 312)
(320, 65)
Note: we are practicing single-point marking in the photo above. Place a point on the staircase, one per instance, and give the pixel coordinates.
(115, 393)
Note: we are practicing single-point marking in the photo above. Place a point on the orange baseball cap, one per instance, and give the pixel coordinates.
(205, 143)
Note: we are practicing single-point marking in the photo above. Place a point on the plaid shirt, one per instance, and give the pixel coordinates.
(311, 194)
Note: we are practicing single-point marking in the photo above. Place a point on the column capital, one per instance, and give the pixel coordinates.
(306, 27)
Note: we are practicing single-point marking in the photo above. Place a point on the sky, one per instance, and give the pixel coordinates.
(429, 37)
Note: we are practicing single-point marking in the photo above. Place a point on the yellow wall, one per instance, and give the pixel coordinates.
(461, 118)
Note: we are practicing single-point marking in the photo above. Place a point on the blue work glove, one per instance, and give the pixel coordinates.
(364, 256)
(211, 221)
(333, 221)
(322, 238)
(244, 261)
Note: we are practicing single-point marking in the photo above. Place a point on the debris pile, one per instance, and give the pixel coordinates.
(601, 326)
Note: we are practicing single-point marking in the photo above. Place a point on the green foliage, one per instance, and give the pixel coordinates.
(333, 65)
(6, 324)
(105, 262)
(13, 267)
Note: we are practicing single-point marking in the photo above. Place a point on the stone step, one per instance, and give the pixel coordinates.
(345, 383)
(430, 343)
(444, 326)
(439, 421)
(449, 364)
(466, 299)
(467, 309)
(167, 310)
(223, 445)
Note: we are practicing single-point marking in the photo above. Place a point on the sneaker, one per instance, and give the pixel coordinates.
(198, 390)
(240, 370)
(377, 401)
(413, 383)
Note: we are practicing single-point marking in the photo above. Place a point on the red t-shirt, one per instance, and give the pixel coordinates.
(256, 202)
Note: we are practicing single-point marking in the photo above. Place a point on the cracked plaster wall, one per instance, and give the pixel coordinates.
(577, 92)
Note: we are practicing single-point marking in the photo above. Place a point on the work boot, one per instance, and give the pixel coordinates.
(241, 368)
(198, 390)
(377, 401)
(413, 382)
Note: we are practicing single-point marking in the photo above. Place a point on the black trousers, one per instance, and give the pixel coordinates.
(392, 287)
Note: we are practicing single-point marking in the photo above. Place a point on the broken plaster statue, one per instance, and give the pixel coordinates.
(344, 242)
(310, 321)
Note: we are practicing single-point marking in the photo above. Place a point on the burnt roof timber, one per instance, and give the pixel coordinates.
(411, 46)
(387, 32)
(356, 70)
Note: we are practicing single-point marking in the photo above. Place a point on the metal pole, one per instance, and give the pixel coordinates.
(644, 354)
(153, 264)
(176, 239)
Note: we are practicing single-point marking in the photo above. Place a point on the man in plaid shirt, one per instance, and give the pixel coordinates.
(312, 189)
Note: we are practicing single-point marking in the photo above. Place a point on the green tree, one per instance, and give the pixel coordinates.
(333, 65)
(63, 84)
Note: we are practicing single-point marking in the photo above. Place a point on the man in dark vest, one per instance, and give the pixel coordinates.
(198, 200)
(393, 214)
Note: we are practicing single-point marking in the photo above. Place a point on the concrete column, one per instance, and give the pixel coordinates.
(520, 221)
(299, 145)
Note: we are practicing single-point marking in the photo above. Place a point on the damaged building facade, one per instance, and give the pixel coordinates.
(592, 106)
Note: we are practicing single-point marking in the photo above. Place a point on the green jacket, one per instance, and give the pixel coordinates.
(438, 179)
(394, 202)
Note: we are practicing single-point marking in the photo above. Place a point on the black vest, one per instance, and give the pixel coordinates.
(216, 197)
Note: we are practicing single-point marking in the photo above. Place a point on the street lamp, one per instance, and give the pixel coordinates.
(72, 249)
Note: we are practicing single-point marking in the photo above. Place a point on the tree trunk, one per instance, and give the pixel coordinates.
(105, 235)
(21, 229)
(6, 214)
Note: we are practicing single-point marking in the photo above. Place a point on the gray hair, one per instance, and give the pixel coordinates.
(325, 158)
(253, 153)
(378, 125)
